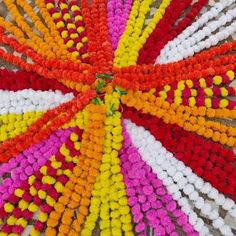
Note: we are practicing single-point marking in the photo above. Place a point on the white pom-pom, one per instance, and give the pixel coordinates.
(199, 225)
(183, 201)
(194, 196)
(171, 170)
(213, 193)
(192, 217)
(199, 183)
(206, 188)
(188, 189)
(218, 223)
(214, 215)
(220, 199)
(229, 203)
(177, 176)
(181, 183)
(168, 181)
(225, 230)
(206, 209)
(176, 195)
(199, 203)
(172, 188)
(192, 178)
(232, 212)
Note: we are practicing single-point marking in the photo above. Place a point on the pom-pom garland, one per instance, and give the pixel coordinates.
(95, 138)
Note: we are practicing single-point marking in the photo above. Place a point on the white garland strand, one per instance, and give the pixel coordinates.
(177, 177)
(194, 38)
(30, 100)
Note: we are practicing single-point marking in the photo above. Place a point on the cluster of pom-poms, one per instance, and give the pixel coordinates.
(94, 136)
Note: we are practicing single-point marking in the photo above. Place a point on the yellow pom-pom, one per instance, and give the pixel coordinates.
(43, 216)
(117, 130)
(115, 169)
(31, 179)
(42, 194)
(78, 18)
(49, 6)
(116, 231)
(127, 227)
(33, 191)
(189, 83)
(167, 88)
(59, 187)
(74, 137)
(118, 138)
(193, 92)
(23, 204)
(8, 207)
(33, 207)
(64, 34)
(177, 93)
(230, 74)
(19, 192)
(11, 220)
(66, 16)
(224, 92)
(34, 232)
(73, 36)
(80, 29)
(70, 43)
(85, 40)
(50, 201)
(178, 101)
(217, 80)
(124, 210)
(123, 201)
(22, 222)
(56, 165)
(105, 232)
(208, 92)
(75, 54)
(208, 102)
(224, 103)
(63, 5)
(104, 224)
(202, 83)
(86, 232)
(192, 101)
(43, 170)
(71, 26)
(48, 180)
(74, 8)
(60, 24)
(64, 151)
(163, 94)
(181, 85)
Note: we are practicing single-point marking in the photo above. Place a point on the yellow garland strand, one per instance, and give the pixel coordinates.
(109, 199)
(131, 42)
(15, 124)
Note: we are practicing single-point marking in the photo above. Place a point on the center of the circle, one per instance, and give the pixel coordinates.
(103, 81)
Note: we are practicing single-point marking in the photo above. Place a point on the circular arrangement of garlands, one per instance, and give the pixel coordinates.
(117, 117)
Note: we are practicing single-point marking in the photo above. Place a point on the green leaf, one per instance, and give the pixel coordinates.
(100, 86)
(97, 101)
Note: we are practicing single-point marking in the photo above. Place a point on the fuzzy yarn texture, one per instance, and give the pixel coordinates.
(117, 117)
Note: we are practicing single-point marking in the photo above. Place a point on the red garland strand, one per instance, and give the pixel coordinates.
(166, 31)
(19, 80)
(207, 159)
